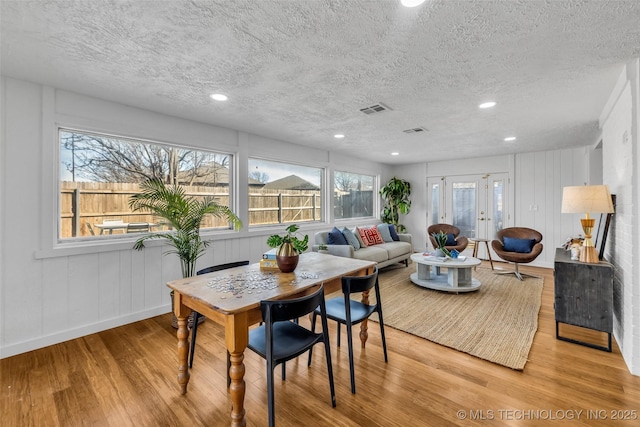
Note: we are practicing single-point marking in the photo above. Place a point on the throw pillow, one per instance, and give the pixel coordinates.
(451, 240)
(394, 234)
(523, 246)
(351, 238)
(363, 243)
(383, 229)
(336, 237)
(370, 235)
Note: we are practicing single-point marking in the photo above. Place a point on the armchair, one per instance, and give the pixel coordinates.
(518, 245)
(461, 242)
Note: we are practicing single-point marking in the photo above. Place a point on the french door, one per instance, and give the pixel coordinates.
(476, 204)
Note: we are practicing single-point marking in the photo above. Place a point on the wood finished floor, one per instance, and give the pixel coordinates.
(127, 376)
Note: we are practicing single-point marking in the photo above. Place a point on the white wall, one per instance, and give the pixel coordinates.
(51, 293)
(620, 123)
(534, 192)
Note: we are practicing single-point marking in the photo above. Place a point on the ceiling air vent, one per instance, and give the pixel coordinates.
(375, 109)
(416, 130)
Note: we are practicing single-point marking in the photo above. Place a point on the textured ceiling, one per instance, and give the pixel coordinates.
(300, 71)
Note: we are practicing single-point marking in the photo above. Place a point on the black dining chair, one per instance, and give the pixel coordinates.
(349, 312)
(196, 315)
(280, 339)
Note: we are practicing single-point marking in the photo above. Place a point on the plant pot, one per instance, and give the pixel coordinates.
(439, 253)
(287, 258)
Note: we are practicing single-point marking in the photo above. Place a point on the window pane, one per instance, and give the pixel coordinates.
(281, 193)
(435, 203)
(99, 173)
(352, 195)
(464, 207)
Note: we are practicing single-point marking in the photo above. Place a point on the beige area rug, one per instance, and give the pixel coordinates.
(496, 323)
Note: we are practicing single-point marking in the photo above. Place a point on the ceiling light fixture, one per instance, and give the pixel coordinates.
(487, 104)
(510, 138)
(395, 153)
(219, 97)
(411, 3)
(338, 136)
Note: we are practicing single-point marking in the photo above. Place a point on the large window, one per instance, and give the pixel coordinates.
(281, 193)
(99, 173)
(352, 195)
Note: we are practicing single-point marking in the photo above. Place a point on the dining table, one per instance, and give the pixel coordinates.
(232, 298)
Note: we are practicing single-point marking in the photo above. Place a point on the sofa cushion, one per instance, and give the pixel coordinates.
(523, 246)
(372, 253)
(396, 249)
(393, 232)
(383, 229)
(363, 244)
(370, 235)
(351, 238)
(336, 237)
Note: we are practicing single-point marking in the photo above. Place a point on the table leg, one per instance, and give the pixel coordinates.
(182, 313)
(364, 326)
(237, 338)
(489, 255)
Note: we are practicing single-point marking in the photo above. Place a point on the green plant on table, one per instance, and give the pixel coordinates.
(441, 241)
(300, 245)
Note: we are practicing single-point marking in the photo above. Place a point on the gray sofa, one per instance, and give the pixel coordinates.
(384, 254)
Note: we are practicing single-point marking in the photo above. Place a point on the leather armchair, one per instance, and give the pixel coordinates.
(461, 241)
(517, 257)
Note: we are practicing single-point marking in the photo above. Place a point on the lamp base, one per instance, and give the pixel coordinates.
(589, 254)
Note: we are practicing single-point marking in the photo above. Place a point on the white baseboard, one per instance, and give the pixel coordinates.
(69, 334)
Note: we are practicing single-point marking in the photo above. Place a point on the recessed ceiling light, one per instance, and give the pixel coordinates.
(395, 153)
(338, 135)
(510, 138)
(411, 3)
(487, 104)
(219, 97)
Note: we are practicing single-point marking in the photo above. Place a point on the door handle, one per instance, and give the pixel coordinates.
(480, 219)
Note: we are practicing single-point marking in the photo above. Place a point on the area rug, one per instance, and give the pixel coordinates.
(496, 323)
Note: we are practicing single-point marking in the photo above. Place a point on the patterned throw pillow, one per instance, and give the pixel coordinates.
(370, 235)
(363, 244)
(351, 238)
(383, 229)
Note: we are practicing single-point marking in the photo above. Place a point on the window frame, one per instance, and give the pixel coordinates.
(323, 195)
(376, 206)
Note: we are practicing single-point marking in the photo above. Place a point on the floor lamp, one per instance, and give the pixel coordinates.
(587, 199)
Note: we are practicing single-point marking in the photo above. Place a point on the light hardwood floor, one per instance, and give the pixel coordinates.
(127, 376)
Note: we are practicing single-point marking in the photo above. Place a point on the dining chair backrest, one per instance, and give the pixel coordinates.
(222, 267)
(279, 339)
(355, 284)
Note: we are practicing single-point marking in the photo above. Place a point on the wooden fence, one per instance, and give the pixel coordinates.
(83, 204)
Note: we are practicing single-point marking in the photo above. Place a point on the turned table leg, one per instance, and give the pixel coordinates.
(182, 313)
(237, 338)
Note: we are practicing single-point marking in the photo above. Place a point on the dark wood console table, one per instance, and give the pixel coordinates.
(583, 296)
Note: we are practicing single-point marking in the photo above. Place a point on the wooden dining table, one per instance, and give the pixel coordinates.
(232, 298)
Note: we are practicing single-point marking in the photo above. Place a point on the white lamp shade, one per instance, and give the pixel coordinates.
(586, 199)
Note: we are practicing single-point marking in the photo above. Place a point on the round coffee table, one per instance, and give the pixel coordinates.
(457, 278)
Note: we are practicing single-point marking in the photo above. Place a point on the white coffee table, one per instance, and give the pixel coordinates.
(457, 278)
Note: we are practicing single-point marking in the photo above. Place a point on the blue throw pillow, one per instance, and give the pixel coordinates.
(383, 229)
(336, 237)
(393, 233)
(451, 240)
(523, 246)
(351, 238)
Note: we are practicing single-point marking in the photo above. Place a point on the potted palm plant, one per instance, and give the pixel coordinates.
(289, 247)
(183, 214)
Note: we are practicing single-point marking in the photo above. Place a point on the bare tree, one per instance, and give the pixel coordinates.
(345, 181)
(101, 158)
(262, 177)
